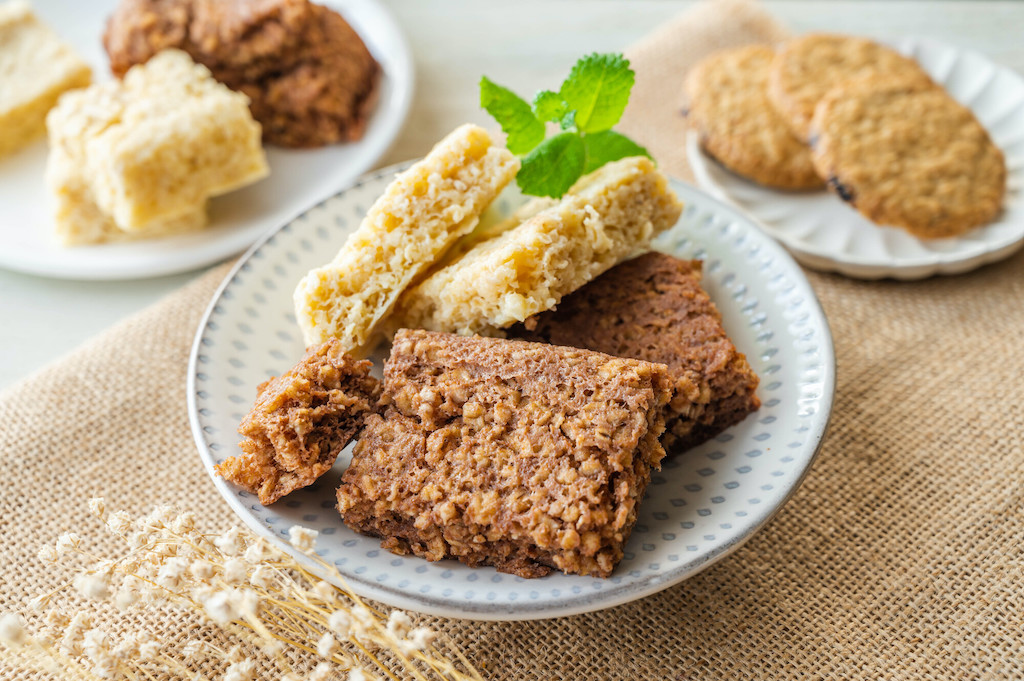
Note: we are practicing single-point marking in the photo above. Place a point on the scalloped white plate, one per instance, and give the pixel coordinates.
(824, 233)
(700, 507)
(297, 178)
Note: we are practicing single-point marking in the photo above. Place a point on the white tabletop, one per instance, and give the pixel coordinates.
(526, 45)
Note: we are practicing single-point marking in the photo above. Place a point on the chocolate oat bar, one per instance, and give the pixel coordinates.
(653, 308)
(301, 421)
(523, 456)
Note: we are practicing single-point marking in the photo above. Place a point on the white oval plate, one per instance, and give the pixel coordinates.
(297, 178)
(700, 507)
(824, 233)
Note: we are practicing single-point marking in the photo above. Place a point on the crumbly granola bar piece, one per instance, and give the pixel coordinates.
(310, 78)
(421, 214)
(138, 155)
(653, 308)
(301, 421)
(907, 154)
(35, 69)
(729, 109)
(611, 214)
(519, 455)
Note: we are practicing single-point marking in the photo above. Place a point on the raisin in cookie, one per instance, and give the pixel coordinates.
(907, 154)
(806, 68)
(729, 109)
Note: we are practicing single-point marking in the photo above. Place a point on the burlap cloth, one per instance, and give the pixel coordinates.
(900, 557)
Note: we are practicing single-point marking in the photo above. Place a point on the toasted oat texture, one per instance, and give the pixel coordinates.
(610, 214)
(309, 77)
(519, 455)
(806, 68)
(141, 157)
(908, 155)
(421, 214)
(729, 109)
(301, 421)
(35, 69)
(653, 308)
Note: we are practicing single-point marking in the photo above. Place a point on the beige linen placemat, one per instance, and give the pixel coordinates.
(899, 558)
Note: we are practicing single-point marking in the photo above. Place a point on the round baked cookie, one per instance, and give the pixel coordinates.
(729, 109)
(907, 154)
(806, 68)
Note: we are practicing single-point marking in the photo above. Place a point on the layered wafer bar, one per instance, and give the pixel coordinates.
(524, 456)
(301, 421)
(653, 308)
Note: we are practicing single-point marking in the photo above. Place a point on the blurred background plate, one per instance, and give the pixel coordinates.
(701, 506)
(298, 178)
(824, 233)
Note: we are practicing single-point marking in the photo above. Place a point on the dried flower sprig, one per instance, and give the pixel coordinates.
(278, 609)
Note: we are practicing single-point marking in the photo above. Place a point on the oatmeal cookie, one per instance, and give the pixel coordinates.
(310, 78)
(729, 109)
(806, 68)
(907, 154)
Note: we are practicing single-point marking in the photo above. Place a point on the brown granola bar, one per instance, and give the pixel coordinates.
(653, 308)
(519, 455)
(310, 79)
(301, 421)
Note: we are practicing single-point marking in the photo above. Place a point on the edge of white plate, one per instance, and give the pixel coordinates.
(857, 267)
(525, 611)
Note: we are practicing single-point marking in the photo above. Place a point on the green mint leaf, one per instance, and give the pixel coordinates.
(568, 120)
(598, 89)
(522, 129)
(553, 166)
(549, 106)
(605, 147)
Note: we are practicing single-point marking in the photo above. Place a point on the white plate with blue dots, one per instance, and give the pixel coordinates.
(700, 507)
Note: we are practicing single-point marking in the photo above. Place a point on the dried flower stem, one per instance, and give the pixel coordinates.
(258, 594)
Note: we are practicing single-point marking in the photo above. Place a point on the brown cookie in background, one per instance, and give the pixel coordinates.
(729, 109)
(806, 68)
(907, 154)
(310, 78)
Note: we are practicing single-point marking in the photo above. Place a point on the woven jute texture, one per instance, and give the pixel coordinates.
(900, 557)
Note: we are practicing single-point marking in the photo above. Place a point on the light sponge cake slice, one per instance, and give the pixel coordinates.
(35, 69)
(422, 213)
(609, 215)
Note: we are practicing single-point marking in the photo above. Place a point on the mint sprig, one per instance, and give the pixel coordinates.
(522, 129)
(586, 107)
(597, 89)
(554, 165)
